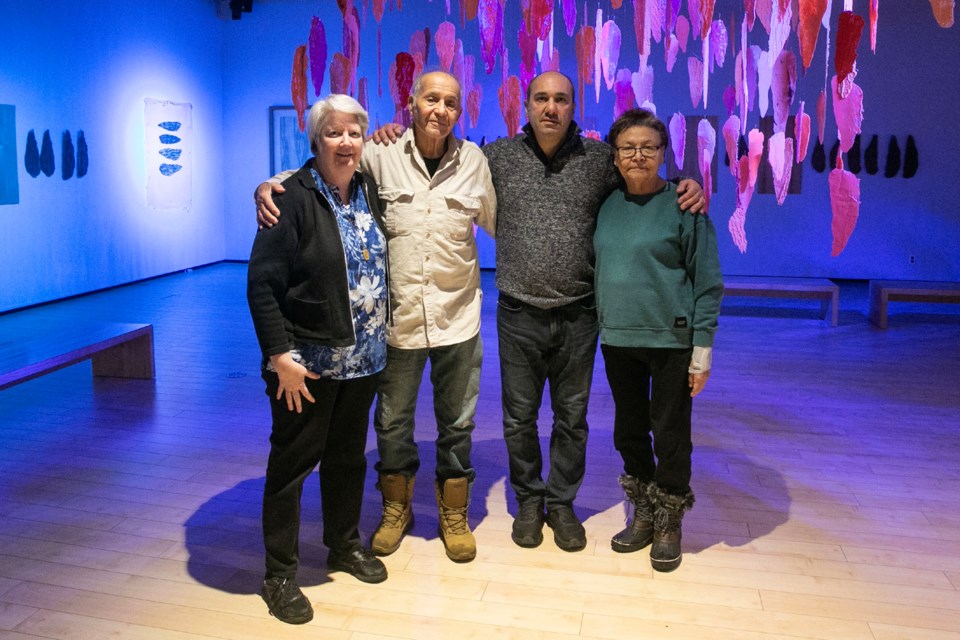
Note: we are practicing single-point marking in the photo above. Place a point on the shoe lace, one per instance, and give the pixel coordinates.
(455, 521)
(392, 513)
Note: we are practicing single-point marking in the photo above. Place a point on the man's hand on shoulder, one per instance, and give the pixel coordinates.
(388, 133)
(267, 212)
(690, 197)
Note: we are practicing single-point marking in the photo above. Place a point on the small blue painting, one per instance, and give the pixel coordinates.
(168, 139)
(9, 186)
(170, 169)
(170, 126)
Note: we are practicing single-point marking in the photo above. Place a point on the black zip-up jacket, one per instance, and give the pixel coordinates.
(297, 278)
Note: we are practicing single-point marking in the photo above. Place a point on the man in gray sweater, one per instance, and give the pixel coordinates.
(550, 182)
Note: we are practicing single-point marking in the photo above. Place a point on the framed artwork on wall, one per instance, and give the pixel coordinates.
(289, 147)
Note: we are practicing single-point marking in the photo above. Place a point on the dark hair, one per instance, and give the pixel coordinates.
(638, 118)
(573, 87)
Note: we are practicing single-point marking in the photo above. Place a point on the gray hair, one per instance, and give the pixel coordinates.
(335, 102)
(418, 83)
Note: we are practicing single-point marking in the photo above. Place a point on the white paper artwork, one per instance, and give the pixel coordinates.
(168, 145)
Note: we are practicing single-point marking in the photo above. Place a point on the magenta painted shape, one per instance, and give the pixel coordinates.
(802, 126)
(570, 16)
(671, 47)
(549, 61)
(642, 85)
(445, 42)
(706, 17)
(780, 157)
(474, 98)
(693, 10)
(404, 77)
(683, 32)
(490, 19)
(510, 98)
(849, 30)
(874, 10)
(811, 13)
(671, 12)
(298, 84)
(779, 32)
(738, 221)
(730, 99)
(641, 30)
(848, 112)
(784, 86)
(821, 115)
(845, 204)
(340, 73)
(623, 90)
(528, 55)
(731, 137)
(755, 153)
(718, 44)
(541, 17)
(317, 43)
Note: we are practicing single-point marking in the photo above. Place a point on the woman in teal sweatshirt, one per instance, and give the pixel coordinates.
(658, 289)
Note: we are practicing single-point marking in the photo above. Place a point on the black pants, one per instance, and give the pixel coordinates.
(651, 395)
(331, 432)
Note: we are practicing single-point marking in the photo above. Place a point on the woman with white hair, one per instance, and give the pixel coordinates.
(317, 290)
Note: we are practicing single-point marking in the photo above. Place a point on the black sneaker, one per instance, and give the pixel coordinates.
(528, 525)
(358, 562)
(568, 533)
(285, 600)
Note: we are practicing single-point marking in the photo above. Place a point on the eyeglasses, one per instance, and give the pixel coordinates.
(645, 152)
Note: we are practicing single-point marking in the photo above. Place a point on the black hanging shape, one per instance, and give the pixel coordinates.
(893, 158)
(911, 158)
(834, 152)
(853, 156)
(871, 157)
(818, 158)
(83, 162)
(67, 157)
(47, 165)
(31, 157)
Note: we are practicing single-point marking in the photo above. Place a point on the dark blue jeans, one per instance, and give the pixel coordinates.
(539, 345)
(455, 376)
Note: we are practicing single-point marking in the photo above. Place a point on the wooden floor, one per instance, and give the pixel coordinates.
(826, 469)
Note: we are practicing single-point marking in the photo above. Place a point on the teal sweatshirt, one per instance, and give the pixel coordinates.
(658, 281)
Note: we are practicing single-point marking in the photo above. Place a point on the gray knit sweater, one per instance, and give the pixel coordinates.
(546, 215)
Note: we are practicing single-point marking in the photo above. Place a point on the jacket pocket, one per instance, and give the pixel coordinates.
(398, 213)
(462, 210)
(310, 316)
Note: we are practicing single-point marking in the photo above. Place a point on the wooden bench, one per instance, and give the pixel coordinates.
(800, 288)
(883, 292)
(29, 350)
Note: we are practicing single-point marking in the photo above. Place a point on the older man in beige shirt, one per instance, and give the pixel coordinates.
(434, 187)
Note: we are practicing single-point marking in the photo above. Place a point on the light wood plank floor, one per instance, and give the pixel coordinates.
(826, 472)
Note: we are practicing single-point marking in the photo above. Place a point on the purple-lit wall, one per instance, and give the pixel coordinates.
(910, 87)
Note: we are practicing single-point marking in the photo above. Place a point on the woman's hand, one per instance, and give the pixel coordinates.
(292, 377)
(697, 382)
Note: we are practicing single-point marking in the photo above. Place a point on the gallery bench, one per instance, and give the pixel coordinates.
(883, 292)
(117, 350)
(800, 288)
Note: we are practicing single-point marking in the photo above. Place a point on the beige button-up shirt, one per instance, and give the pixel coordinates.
(434, 268)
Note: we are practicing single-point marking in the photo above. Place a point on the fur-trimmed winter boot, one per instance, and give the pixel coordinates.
(665, 554)
(397, 517)
(639, 533)
(453, 502)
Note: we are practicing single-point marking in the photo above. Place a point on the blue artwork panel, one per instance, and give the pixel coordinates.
(170, 169)
(67, 156)
(83, 162)
(171, 154)
(47, 163)
(170, 126)
(31, 157)
(9, 186)
(168, 139)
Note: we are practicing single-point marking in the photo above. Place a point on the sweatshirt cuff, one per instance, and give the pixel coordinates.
(702, 360)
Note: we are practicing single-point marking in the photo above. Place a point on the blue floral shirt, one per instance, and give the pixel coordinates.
(364, 248)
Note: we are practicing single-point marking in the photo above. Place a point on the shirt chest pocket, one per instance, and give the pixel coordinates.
(400, 213)
(462, 210)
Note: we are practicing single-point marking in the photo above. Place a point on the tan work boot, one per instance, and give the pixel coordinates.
(397, 517)
(453, 502)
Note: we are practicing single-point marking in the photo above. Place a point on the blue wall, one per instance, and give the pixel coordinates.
(88, 66)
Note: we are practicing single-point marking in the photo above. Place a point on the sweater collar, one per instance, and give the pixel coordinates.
(572, 144)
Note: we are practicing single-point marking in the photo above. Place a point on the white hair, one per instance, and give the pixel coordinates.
(335, 102)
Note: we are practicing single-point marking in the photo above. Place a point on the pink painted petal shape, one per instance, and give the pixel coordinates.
(943, 12)
(678, 137)
(610, 51)
(874, 10)
(849, 30)
(490, 20)
(764, 79)
(731, 137)
(706, 17)
(474, 98)
(654, 21)
(623, 90)
(718, 44)
(642, 84)
(845, 204)
(541, 17)
(683, 32)
(298, 84)
(445, 42)
(784, 87)
(671, 48)
(755, 153)
(693, 10)
(706, 146)
(801, 131)
(730, 99)
(737, 223)
(848, 112)
(695, 70)
(641, 30)
(779, 32)
(597, 56)
(510, 96)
